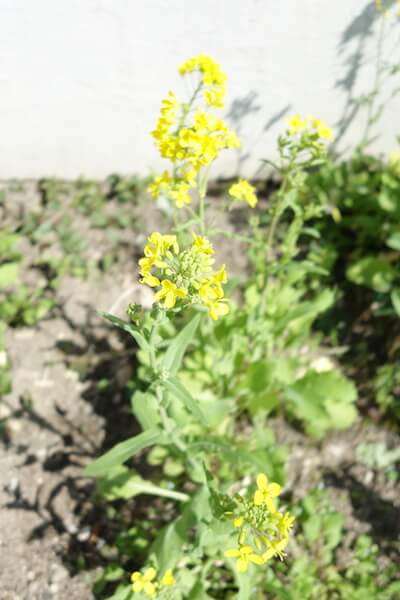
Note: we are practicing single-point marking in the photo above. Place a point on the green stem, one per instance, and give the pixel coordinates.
(202, 185)
(270, 242)
(201, 213)
(277, 215)
(160, 395)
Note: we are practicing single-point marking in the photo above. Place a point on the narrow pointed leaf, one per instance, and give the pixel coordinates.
(123, 451)
(129, 328)
(175, 387)
(176, 350)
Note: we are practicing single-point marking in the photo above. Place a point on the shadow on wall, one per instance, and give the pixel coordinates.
(352, 51)
(240, 109)
(354, 54)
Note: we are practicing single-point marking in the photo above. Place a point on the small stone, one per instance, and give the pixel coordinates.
(13, 486)
(71, 528)
(58, 574)
(83, 535)
(54, 588)
(41, 454)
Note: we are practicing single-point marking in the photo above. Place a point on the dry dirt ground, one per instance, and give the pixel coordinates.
(58, 426)
(60, 418)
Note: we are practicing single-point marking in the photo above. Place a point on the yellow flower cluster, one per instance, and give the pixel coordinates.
(191, 139)
(298, 124)
(146, 582)
(385, 11)
(213, 78)
(244, 191)
(183, 274)
(263, 529)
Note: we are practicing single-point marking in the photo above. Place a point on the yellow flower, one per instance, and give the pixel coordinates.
(213, 78)
(158, 244)
(180, 193)
(245, 555)
(143, 582)
(207, 122)
(238, 521)
(275, 548)
(243, 190)
(218, 309)
(215, 97)
(220, 276)
(155, 188)
(266, 492)
(285, 523)
(322, 128)
(168, 579)
(169, 293)
(385, 11)
(169, 107)
(231, 140)
(202, 244)
(146, 264)
(296, 124)
(150, 280)
(211, 294)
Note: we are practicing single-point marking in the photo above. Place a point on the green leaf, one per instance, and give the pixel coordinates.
(121, 452)
(323, 401)
(175, 387)
(393, 240)
(8, 274)
(121, 482)
(313, 527)
(168, 544)
(375, 273)
(333, 524)
(129, 328)
(123, 592)
(395, 297)
(176, 350)
(261, 458)
(145, 408)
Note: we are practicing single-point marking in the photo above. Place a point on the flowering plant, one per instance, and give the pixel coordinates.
(204, 357)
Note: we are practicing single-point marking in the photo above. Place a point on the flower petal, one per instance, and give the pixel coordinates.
(233, 553)
(149, 574)
(256, 559)
(170, 300)
(242, 565)
(274, 489)
(262, 481)
(149, 589)
(258, 498)
(137, 586)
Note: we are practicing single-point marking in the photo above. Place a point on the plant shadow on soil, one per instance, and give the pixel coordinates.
(381, 515)
(104, 372)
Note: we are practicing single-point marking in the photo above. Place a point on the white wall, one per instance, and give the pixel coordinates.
(81, 80)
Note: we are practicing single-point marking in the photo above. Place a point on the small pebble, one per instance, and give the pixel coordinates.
(83, 535)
